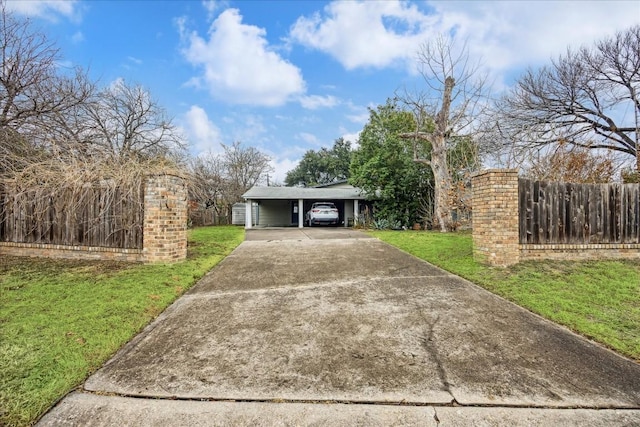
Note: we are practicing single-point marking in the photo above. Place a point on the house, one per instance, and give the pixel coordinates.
(286, 206)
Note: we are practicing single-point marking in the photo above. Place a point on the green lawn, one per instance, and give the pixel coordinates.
(61, 320)
(598, 299)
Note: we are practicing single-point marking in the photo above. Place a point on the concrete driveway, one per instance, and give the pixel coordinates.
(329, 327)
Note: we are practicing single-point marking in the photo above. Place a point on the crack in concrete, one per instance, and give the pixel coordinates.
(349, 282)
(435, 416)
(429, 346)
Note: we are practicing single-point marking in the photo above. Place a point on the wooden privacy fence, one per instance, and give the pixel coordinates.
(144, 220)
(89, 215)
(564, 213)
(517, 219)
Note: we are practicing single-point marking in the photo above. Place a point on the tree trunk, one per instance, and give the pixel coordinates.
(438, 163)
(442, 187)
(637, 120)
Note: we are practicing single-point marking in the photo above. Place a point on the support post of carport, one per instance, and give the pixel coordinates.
(248, 214)
(300, 213)
(356, 210)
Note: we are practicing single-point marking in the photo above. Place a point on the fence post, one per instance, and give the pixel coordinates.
(495, 217)
(165, 219)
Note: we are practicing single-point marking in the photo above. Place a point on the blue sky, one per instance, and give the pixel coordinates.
(288, 76)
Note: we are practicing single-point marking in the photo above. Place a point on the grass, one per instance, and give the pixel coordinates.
(60, 320)
(597, 299)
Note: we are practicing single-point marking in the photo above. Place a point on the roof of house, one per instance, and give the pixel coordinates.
(288, 193)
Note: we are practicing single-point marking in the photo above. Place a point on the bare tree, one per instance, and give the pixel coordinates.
(124, 121)
(447, 109)
(217, 181)
(28, 67)
(32, 90)
(207, 182)
(58, 136)
(245, 167)
(588, 97)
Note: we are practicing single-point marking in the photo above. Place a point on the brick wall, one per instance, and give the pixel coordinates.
(70, 252)
(496, 239)
(165, 230)
(580, 252)
(495, 217)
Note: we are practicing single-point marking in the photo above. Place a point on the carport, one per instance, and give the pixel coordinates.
(286, 206)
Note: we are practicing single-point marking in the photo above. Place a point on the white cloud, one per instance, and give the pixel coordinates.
(361, 119)
(47, 9)
(77, 37)
(283, 159)
(249, 129)
(514, 34)
(116, 83)
(359, 114)
(506, 35)
(239, 66)
(201, 132)
(66, 64)
(313, 102)
(212, 6)
(351, 137)
(365, 33)
(280, 168)
(308, 138)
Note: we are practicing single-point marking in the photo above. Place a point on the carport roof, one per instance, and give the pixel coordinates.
(288, 193)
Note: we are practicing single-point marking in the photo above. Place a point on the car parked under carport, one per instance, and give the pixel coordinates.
(322, 213)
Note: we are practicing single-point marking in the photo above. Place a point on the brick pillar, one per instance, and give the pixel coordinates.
(495, 217)
(165, 219)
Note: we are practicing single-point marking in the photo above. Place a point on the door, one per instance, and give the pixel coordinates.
(294, 212)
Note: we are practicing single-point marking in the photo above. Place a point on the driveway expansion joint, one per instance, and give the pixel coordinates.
(452, 404)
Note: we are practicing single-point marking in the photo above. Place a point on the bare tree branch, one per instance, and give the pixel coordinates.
(219, 180)
(587, 97)
(33, 92)
(124, 121)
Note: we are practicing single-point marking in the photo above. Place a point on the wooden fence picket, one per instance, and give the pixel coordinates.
(566, 213)
(99, 215)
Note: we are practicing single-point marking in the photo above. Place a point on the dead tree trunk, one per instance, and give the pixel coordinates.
(438, 162)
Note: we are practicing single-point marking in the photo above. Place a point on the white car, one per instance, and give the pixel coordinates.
(322, 213)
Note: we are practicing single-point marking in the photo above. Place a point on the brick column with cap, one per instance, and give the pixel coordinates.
(495, 217)
(165, 219)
